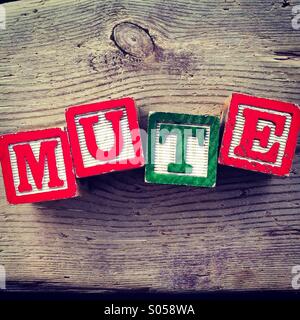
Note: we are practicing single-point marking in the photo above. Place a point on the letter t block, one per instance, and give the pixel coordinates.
(182, 149)
(37, 166)
(260, 135)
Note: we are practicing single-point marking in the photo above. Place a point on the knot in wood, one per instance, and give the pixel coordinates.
(132, 39)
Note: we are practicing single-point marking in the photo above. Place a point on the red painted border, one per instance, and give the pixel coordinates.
(131, 111)
(29, 136)
(238, 99)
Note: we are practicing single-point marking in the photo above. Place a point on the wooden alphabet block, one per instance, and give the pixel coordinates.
(182, 149)
(260, 135)
(104, 137)
(37, 166)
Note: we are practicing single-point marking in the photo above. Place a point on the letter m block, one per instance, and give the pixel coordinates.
(260, 135)
(182, 149)
(104, 137)
(37, 166)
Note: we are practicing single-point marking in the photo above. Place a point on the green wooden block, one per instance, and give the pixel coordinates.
(182, 149)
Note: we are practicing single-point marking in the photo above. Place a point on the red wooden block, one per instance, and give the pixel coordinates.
(260, 135)
(104, 137)
(37, 166)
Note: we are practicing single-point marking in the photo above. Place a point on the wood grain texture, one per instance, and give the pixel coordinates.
(123, 233)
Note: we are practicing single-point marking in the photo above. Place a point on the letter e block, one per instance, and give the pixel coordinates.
(260, 135)
(37, 166)
(104, 137)
(182, 149)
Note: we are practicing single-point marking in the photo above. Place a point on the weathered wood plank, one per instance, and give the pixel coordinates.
(123, 233)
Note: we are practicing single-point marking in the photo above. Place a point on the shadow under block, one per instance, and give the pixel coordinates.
(182, 149)
(260, 135)
(104, 137)
(37, 166)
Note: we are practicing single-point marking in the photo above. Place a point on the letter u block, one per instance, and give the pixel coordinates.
(37, 166)
(182, 149)
(260, 135)
(104, 137)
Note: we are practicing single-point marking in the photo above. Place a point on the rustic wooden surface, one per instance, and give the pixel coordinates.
(172, 55)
